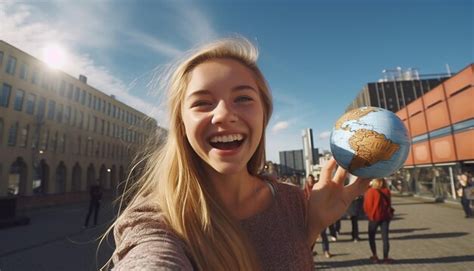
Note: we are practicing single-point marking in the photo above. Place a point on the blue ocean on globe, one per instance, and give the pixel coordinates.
(370, 142)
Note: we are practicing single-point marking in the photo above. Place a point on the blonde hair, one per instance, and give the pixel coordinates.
(378, 183)
(173, 177)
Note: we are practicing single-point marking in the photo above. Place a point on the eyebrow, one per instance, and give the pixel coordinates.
(207, 92)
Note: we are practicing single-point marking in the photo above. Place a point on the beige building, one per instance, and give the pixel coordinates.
(58, 134)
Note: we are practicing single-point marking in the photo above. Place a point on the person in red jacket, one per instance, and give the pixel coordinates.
(378, 207)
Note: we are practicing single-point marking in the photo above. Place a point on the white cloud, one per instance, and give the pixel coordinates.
(280, 126)
(324, 135)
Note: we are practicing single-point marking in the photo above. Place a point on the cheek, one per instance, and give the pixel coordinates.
(194, 130)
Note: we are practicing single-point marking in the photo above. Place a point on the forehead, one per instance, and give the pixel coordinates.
(220, 73)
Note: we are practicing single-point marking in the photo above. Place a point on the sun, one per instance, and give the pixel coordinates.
(54, 55)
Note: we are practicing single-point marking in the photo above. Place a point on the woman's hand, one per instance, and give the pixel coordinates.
(329, 198)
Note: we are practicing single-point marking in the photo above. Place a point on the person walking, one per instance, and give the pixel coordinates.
(95, 193)
(353, 212)
(310, 181)
(378, 207)
(464, 182)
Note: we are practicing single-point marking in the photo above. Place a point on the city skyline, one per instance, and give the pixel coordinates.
(316, 56)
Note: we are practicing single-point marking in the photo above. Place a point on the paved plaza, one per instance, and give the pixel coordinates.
(423, 236)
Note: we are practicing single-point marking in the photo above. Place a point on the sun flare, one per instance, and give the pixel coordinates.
(54, 55)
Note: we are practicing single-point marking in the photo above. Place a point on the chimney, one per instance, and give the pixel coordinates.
(83, 78)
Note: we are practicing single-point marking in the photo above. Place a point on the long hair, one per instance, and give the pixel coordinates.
(379, 183)
(174, 179)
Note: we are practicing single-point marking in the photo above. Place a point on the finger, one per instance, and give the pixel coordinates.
(358, 187)
(328, 169)
(340, 176)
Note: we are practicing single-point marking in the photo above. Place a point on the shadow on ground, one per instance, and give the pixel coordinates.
(360, 262)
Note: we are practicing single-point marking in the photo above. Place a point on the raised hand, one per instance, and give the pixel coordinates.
(330, 199)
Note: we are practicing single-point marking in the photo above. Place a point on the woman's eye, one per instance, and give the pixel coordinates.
(243, 99)
(201, 104)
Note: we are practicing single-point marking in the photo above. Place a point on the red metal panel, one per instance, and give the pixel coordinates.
(437, 116)
(465, 144)
(421, 153)
(409, 161)
(461, 80)
(461, 105)
(442, 149)
(418, 124)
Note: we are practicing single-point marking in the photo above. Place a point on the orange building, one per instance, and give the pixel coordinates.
(441, 126)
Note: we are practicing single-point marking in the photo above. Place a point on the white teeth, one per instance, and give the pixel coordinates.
(227, 138)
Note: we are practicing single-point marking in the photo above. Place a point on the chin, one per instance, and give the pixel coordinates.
(228, 168)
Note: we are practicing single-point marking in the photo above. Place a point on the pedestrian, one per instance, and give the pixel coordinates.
(310, 182)
(354, 212)
(308, 185)
(335, 230)
(465, 183)
(201, 204)
(378, 207)
(95, 193)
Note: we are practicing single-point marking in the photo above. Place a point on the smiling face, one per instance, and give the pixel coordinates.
(223, 114)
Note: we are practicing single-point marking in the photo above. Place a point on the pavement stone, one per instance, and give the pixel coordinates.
(423, 236)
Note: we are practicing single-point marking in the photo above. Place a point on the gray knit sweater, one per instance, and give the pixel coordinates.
(145, 242)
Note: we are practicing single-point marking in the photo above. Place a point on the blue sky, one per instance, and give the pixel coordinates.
(316, 55)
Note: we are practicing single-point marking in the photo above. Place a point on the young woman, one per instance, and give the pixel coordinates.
(201, 203)
(377, 206)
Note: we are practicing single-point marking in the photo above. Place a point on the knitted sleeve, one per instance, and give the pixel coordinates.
(145, 242)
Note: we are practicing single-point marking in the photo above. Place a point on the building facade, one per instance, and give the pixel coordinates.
(395, 92)
(441, 127)
(58, 134)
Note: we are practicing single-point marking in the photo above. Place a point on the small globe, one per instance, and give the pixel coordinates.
(370, 142)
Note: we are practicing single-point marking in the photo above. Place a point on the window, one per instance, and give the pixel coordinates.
(11, 65)
(102, 127)
(70, 91)
(73, 117)
(77, 94)
(12, 134)
(95, 124)
(34, 77)
(5, 95)
(1, 130)
(19, 97)
(83, 97)
(44, 81)
(24, 137)
(51, 109)
(1, 58)
(59, 114)
(44, 140)
(30, 103)
(62, 89)
(54, 142)
(90, 100)
(23, 71)
(81, 119)
(62, 143)
(67, 115)
(41, 107)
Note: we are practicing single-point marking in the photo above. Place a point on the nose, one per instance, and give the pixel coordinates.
(223, 113)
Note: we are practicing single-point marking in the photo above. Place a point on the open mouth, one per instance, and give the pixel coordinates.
(227, 142)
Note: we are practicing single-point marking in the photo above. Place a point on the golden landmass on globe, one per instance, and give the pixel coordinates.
(353, 115)
(370, 147)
